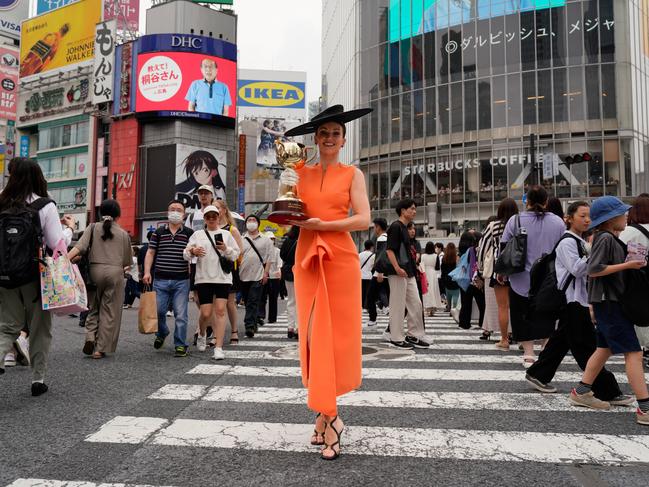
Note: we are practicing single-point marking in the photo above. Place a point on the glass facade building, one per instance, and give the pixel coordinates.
(475, 100)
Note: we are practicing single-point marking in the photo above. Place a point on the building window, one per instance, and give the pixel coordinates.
(63, 136)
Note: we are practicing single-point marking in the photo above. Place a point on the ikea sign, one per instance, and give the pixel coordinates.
(271, 94)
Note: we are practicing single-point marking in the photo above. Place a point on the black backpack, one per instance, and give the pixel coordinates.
(547, 300)
(634, 302)
(21, 239)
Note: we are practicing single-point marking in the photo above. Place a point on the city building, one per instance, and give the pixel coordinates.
(270, 103)
(476, 100)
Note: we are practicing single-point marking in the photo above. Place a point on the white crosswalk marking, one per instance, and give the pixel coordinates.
(459, 375)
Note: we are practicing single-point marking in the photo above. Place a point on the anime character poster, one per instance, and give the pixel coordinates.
(195, 167)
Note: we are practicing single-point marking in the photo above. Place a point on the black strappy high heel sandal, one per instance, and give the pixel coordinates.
(315, 438)
(337, 442)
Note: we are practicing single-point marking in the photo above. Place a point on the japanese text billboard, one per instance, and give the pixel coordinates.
(186, 81)
(60, 38)
(104, 68)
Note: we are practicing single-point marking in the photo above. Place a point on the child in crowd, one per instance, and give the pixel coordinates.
(615, 333)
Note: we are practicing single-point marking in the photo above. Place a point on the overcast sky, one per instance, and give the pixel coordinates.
(279, 34)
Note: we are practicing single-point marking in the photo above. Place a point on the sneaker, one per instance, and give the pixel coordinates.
(417, 342)
(125, 306)
(386, 336)
(22, 350)
(622, 400)
(290, 333)
(538, 385)
(402, 345)
(641, 418)
(250, 332)
(10, 360)
(201, 343)
(181, 352)
(371, 323)
(170, 314)
(38, 388)
(587, 400)
(385, 311)
(218, 354)
(157, 343)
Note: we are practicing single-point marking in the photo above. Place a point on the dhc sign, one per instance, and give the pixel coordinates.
(279, 94)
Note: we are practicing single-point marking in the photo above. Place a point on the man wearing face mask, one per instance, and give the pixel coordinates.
(171, 283)
(253, 271)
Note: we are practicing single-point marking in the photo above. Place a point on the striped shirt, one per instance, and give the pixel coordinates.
(489, 246)
(169, 247)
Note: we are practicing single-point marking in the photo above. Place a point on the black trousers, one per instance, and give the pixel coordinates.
(377, 291)
(365, 286)
(270, 293)
(467, 297)
(576, 334)
(251, 292)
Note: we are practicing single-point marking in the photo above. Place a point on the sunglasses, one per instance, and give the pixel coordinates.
(211, 216)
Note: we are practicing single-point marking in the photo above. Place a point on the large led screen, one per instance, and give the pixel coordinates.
(185, 81)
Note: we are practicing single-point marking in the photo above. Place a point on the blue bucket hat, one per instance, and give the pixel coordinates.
(606, 208)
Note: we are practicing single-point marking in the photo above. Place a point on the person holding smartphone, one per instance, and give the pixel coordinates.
(212, 282)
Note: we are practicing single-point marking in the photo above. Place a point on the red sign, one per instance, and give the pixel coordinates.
(127, 13)
(185, 81)
(8, 82)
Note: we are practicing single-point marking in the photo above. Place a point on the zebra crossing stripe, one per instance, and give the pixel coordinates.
(389, 373)
(459, 444)
(66, 483)
(275, 344)
(532, 401)
(378, 336)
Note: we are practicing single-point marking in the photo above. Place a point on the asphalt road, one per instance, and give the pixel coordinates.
(459, 414)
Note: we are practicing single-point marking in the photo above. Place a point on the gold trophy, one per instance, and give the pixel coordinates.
(288, 206)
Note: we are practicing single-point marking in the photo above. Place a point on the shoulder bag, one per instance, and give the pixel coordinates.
(84, 262)
(227, 265)
(263, 264)
(514, 255)
(384, 266)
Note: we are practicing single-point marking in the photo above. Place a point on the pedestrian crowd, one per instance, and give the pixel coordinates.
(495, 277)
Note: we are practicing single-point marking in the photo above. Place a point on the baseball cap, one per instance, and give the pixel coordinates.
(210, 209)
(206, 187)
(606, 208)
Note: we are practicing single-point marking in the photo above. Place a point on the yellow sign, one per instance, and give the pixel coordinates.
(62, 37)
(271, 94)
(278, 230)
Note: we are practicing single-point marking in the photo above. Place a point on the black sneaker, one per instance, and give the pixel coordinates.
(260, 321)
(2, 371)
(417, 342)
(181, 352)
(402, 345)
(158, 342)
(38, 388)
(540, 386)
(250, 332)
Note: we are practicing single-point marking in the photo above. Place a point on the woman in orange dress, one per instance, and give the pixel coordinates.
(327, 273)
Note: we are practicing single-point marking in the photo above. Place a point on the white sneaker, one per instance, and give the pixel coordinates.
(170, 314)
(386, 336)
(201, 343)
(10, 360)
(371, 323)
(22, 345)
(218, 354)
(385, 311)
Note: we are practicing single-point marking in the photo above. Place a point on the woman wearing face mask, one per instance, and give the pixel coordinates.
(109, 254)
(327, 273)
(212, 282)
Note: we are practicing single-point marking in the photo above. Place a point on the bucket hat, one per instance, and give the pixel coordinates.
(335, 113)
(606, 208)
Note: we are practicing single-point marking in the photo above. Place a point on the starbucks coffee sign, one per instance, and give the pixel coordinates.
(460, 164)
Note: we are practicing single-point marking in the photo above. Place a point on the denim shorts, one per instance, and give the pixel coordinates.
(614, 330)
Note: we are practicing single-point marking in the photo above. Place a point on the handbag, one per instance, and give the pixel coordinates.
(147, 315)
(84, 262)
(384, 266)
(62, 288)
(424, 282)
(462, 273)
(227, 265)
(513, 257)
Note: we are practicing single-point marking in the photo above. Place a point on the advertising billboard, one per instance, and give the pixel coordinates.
(104, 68)
(59, 39)
(186, 81)
(284, 94)
(126, 12)
(196, 166)
(12, 13)
(8, 82)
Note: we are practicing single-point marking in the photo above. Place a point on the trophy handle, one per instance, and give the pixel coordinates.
(308, 148)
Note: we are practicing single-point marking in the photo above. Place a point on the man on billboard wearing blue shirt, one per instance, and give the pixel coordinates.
(208, 94)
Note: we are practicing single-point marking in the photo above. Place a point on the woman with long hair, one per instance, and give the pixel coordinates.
(543, 230)
(432, 299)
(109, 255)
(26, 194)
(327, 273)
(474, 292)
(287, 254)
(226, 222)
(489, 249)
(449, 263)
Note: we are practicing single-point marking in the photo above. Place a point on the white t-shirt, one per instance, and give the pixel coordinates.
(51, 226)
(366, 257)
(208, 267)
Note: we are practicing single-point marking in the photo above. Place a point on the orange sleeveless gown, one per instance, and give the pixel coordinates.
(328, 291)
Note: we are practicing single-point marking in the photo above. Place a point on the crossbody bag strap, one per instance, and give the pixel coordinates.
(256, 251)
(367, 260)
(92, 237)
(209, 237)
(641, 229)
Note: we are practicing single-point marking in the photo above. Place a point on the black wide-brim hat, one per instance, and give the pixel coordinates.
(334, 113)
